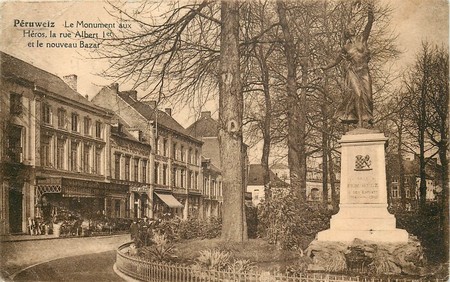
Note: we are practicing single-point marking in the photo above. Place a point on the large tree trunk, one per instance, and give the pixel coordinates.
(230, 134)
(295, 112)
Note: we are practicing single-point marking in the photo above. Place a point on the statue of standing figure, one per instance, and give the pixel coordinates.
(357, 106)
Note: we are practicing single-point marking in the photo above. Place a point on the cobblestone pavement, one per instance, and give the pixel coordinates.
(19, 254)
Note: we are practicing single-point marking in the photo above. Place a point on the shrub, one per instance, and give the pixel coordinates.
(192, 228)
(161, 249)
(213, 259)
(288, 222)
(427, 226)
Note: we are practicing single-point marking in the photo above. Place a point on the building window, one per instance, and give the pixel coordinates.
(46, 151)
(196, 181)
(189, 158)
(61, 118)
(46, 113)
(158, 149)
(98, 161)
(60, 153)
(73, 156)
(156, 174)
(127, 168)
(394, 191)
(174, 151)
(87, 126)
(75, 122)
(189, 179)
(86, 158)
(165, 149)
(196, 157)
(117, 166)
(98, 129)
(408, 193)
(174, 177)
(144, 171)
(182, 153)
(136, 170)
(14, 151)
(164, 176)
(182, 178)
(15, 104)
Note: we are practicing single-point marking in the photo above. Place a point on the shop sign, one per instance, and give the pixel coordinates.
(139, 189)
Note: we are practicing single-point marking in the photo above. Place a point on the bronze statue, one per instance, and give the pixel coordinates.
(357, 106)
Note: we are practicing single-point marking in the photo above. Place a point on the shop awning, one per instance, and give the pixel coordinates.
(169, 200)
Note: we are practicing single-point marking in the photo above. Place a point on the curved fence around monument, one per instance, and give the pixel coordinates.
(144, 270)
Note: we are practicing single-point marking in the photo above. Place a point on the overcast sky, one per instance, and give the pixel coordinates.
(413, 20)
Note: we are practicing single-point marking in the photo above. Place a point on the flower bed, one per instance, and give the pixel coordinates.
(141, 269)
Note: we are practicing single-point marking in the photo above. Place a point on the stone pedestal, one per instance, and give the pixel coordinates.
(363, 210)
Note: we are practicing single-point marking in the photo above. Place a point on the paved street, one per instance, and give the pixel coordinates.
(92, 267)
(16, 256)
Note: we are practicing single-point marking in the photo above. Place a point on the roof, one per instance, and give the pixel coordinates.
(153, 114)
(256, 177)
(206, 126)
(279, 166)
(12, 67)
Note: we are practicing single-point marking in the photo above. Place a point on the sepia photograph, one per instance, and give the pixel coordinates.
(232, 140)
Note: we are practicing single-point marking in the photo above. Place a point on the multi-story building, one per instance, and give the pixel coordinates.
(175, 164)
(57, 144)
(130, 165)
(411, 181)
(207, 130)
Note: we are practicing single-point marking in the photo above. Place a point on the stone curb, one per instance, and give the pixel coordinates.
(123, 275)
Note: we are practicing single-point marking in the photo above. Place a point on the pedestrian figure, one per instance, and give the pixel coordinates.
(357, 106)
(134, 231)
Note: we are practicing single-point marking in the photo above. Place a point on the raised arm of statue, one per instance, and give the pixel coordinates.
(370, 19)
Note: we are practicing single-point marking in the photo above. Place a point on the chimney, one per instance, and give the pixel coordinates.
(206, 114)
(151, 103)
(131, 93)
(169, 111)
(71, 80)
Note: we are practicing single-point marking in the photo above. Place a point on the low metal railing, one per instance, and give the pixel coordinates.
(150, 271)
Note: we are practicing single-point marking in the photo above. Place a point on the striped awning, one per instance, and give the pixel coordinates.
(170, 200)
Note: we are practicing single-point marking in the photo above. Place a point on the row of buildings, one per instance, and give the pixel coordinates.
(114, 155)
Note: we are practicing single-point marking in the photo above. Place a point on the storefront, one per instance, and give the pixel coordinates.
(83, 198)
(140, 201)
(166, 205)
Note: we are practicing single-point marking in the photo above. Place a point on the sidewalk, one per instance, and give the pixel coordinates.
(20, 251)
(28, 237)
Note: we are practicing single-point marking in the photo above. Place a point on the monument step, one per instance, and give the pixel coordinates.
(388, 236)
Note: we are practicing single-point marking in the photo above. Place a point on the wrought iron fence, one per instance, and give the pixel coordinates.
(150, 271)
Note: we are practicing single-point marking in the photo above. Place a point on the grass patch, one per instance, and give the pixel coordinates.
(258, 251)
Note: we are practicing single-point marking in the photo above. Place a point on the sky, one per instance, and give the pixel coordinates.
(413, 20)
